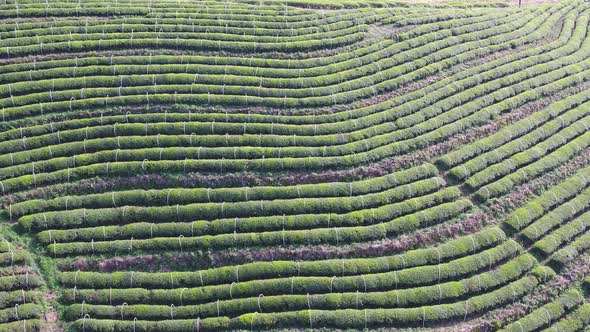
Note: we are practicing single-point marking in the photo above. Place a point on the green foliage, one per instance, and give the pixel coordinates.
(571, 251)
(355, 97)
(549, 199)
(547, 314)
(451, 250)
(337, 235)
(345, 318)
(183, 196)
(409, 297)
(575, 321)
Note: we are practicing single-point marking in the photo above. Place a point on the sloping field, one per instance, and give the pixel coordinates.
(260, 165)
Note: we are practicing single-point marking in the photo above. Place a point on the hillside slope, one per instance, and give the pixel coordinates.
(258, 165)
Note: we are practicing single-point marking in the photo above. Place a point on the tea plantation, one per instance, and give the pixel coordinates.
(216, 165)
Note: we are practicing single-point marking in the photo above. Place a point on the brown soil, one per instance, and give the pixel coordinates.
(50, 317)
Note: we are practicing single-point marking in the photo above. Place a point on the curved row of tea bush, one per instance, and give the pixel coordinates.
(216, 16)
(137, 229)
(148, 91)
(96, 145)
(324, 83)
(24, 325)
(364, 84)
(557, 217)
(569, 79)
(379, 202)
(18, 133)
(578, 320)
(94, 31)
(11, 298)
(347, 318)
(362, 59)
(534, 169)
(410, 277)
(183, 196)
(571, 251)
(513, 163)
(251, 45)
(336, 235)
(564, 234)
(335, 301)
(20, 297)
(46, 38)
(450, 250)
(547, 314)
(546, 201)
(375, 154)
(227, 65)
(534, 128)
(220, 92)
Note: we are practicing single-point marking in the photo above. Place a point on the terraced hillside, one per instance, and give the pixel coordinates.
(257, 165)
